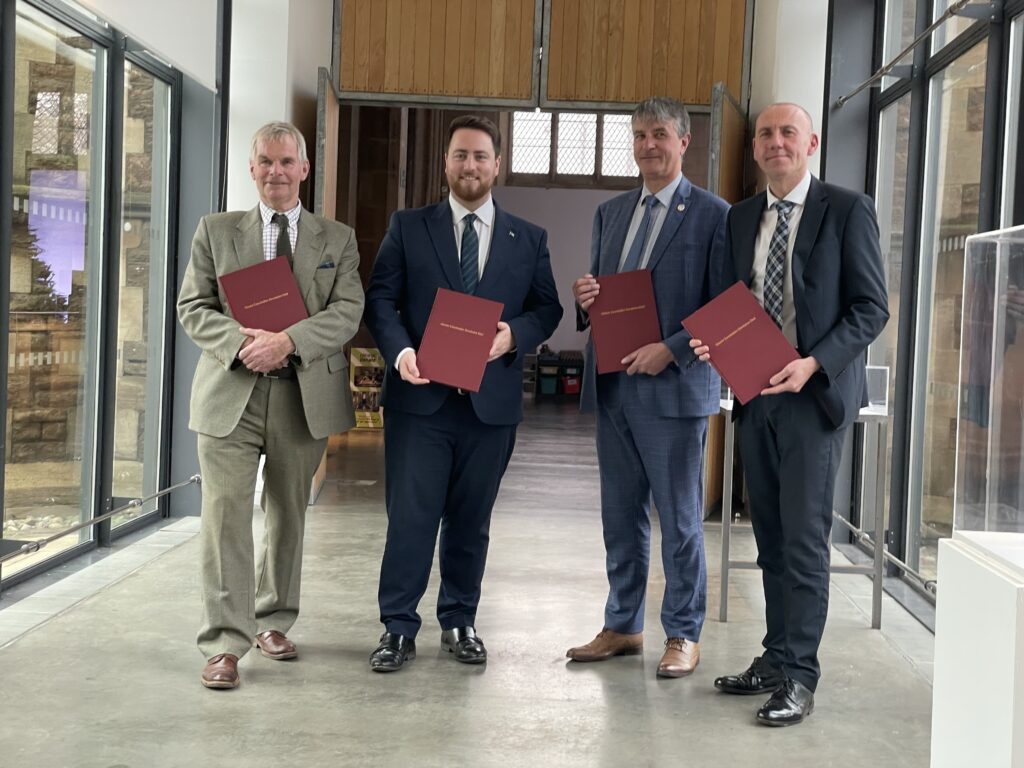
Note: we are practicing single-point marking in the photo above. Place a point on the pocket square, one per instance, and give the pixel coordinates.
(326, 265)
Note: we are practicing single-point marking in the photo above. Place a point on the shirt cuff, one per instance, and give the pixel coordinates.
(400, 354)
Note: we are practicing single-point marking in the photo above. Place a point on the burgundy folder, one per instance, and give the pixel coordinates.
(264, 296)
(623, 318)
(458, 338)
(746, 346)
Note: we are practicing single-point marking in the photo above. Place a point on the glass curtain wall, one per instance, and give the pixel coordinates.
(141, 307)
(57, 236)
(951, 213)
(87, 270)
(900, 17)
(891, 202)
(953, 27)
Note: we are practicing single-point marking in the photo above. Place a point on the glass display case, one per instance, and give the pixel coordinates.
(989, 489)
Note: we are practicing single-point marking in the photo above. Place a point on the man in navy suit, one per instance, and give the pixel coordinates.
(809, 252)
(652, 419)
(445, 450)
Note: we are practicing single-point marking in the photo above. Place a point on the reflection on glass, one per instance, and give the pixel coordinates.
(1010, 149)
(950, 29)
(990, 463)
(891, 200)
(55, 247)
(900, 16)
(951, 197)
(140, 326)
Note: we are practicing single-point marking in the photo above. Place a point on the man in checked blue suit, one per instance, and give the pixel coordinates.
(652, 419)
(445, 450)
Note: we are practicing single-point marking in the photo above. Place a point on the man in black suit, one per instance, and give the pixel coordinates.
(809, 252)
(445, 450)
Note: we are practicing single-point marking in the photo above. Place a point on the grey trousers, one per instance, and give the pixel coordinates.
(244, 595)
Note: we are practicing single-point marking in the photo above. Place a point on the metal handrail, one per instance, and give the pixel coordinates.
(34, 546)
(886, 68)
(930, 585)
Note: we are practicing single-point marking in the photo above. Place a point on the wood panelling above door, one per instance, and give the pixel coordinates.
(609, 51)
(453, 51)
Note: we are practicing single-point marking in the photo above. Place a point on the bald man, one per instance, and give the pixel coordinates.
(809, 252)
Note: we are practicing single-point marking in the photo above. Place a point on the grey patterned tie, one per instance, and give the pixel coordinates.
(775, 268)
(469, 254)
(636, 250)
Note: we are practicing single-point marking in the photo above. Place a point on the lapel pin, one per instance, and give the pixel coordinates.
(511, 234)
(680, 207)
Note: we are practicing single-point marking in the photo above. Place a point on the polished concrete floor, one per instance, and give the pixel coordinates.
(101, 669)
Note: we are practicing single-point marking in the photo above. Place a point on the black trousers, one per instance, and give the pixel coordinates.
(790, 457)
(441, 470)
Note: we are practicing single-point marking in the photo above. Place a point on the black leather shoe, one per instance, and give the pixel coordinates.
(759, 677)
(464, 643)
(393, 651)
(790, 704)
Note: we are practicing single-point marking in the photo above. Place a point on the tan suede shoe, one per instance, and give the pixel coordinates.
(221, 671)
(680, 658)
(608, 644)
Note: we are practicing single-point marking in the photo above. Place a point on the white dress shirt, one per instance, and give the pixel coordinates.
(770, 217)
(483, 225)
(271, 231)
(658, 216)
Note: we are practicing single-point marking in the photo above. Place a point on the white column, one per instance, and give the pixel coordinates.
(276, 48)
(788, 57)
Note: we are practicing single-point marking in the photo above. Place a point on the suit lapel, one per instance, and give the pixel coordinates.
(810, 222)
(673, 218)
(618, 228)
(308, 247)
(746, 237)
(442, 234)
(248, 239)
(500, 251)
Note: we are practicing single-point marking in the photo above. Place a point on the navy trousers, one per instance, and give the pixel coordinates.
(790, 457)
(441, 470)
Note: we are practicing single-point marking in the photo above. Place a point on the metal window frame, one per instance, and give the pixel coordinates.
(7, 63)
(119, 49)
(926, 65)
(105, 532)
(1014, 14)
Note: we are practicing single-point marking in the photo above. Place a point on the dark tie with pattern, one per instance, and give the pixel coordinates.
(775, 267)
(284, 242)
(283, 251)
(470, 254)
(636, 250)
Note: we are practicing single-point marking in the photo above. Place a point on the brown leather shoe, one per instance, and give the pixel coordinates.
(608, 644)
(680, 658)
(221, 671)
(274, 645)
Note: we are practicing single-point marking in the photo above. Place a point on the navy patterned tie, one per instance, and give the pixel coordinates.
(636, 250)
(470, 254)
(775, 267)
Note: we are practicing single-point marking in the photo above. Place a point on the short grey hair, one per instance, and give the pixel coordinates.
(276, 131)
(661, 109)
